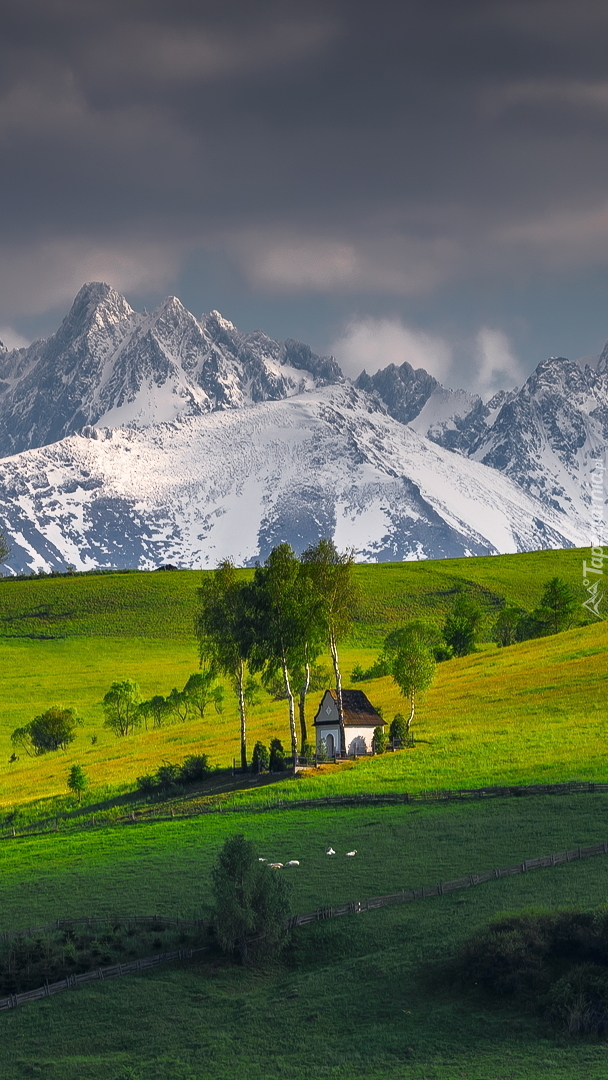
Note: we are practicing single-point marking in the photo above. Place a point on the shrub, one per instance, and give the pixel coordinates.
(147, 783)
(322, 750)
(578, 1002)
(277, 756)
(379, 740)
(398, 732)
(260, 759)
(168, 775)
(309, 752)
(52, 730)
(196, 767)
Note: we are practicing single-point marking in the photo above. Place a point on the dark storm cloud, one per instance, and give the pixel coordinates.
(338, 147)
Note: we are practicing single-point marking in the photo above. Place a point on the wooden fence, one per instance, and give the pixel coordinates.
(569, 787)
(333, 911)
(405, 896)
(13, 1000)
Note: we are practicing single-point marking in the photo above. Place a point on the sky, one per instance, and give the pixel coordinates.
(420, 180)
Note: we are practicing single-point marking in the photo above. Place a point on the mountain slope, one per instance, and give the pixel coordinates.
(235, 483)
(546, 436)
(109, 365)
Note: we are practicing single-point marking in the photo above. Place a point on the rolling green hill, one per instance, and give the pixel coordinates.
(358, 997)
(162, 605)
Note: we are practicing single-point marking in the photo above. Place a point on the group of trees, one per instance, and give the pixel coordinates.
(54, 729)
(556, 612)
(277, 624)
(125, 711)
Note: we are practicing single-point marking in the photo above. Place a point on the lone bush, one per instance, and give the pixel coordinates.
(277, 756)
(52, 730)
(251, 902)
(260, 759)
(398, 732)
(379, 740)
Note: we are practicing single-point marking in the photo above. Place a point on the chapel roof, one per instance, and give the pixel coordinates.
(357, 709)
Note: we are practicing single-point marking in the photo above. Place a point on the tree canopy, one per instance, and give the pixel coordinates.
(413, 665)
(51, 730)
(226, 633)
(121, 707)
(251, 902)
(334, 596)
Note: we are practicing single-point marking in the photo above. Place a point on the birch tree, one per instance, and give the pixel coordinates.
(225, 631)
(334, 595)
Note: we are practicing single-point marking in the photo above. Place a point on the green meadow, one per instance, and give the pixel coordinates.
(360, 996)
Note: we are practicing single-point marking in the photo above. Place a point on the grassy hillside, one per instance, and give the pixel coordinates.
(357, 997)
(162, 605)
(532, 712)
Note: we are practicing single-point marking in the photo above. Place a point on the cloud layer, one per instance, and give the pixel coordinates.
(320, 147)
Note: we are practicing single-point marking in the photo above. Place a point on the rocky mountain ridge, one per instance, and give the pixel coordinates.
(109, 365)
(149, 387)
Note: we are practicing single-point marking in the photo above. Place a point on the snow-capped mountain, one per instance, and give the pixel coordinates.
(109, 365)
(547, 436)
(236, 482)
(137, 438)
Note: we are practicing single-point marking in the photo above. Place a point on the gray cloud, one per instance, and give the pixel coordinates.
(323, 148)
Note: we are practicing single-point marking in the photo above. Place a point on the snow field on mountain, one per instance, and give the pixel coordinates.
(231, 484)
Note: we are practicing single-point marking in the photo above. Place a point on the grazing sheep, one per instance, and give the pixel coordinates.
(352, 852)
(330, 851)
(292, 862)
(275, 865)
(262, 860)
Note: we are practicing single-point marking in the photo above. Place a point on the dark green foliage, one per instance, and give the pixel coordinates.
(557, 961)
(462, 625)
(309, 752)
(194, 768)
(251, 902)
(260, 759)
(379, 740)
(167, 775)
(504, 631)
(277, 756)
(532, 624)
(322, 751)
(52, 730)
(77, 781)
(578, 1002)
(558, 605)
(26, 961)
(398, 733)
(121, 707)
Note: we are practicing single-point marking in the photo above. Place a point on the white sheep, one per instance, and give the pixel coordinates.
(292, 862)
(352, 852)
(262, 860)
(275, 865)
(330, 851)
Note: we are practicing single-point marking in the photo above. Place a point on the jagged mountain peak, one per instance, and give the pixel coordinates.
(111, 366)
(96, 305)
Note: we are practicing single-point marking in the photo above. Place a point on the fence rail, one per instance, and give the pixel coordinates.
(569, 787)
(112, 972)
(87, 920)
(405, 896)
(332, 911)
